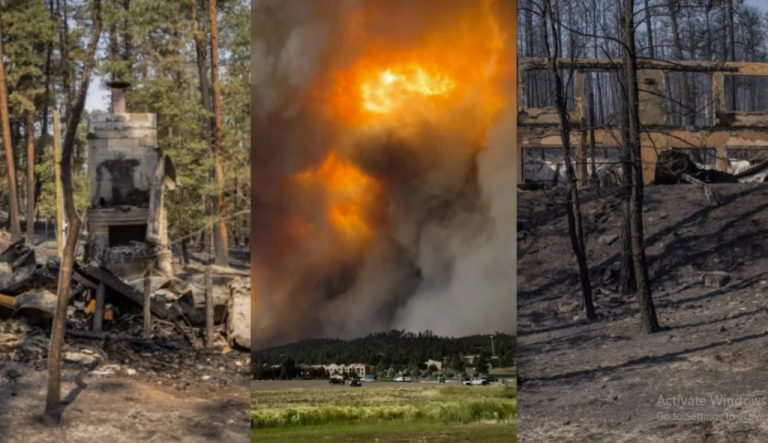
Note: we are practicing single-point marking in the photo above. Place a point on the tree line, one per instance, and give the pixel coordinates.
(400, 351)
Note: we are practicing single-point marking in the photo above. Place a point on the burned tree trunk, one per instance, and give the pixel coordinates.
(573, 210)
(52, 413)
(627, 282)
(185, 250)
(208, 307)
(49, 99)
(649, 322)
(649, 25)
(98, 314)
(591, 122)
(688, 114)
(732, 49)
(220, 234)
(10, 165)
(30, 130)
(147, 305)
(202, 67)
(212, 125)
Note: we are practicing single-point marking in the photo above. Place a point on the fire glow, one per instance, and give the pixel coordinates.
(403, 115)
(394, 88)
(348, 191)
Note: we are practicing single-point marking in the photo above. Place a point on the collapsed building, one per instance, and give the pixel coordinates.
(715, 112)
(128, 253)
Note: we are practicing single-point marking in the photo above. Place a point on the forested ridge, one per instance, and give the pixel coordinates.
(392, 348)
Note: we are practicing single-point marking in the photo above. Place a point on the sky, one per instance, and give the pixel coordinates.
(98, 95)
(762, 4)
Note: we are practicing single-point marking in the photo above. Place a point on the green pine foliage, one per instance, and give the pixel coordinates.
(392, 349)
(150, 45)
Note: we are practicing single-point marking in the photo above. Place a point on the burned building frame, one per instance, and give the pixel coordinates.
(719, 131)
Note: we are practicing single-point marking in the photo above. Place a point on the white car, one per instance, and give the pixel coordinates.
(367, 380)
(401, 379)
(474, 382)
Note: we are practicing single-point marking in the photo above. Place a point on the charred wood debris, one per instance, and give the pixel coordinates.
(104, 334)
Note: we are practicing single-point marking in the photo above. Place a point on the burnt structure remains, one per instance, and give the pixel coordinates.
(715, 112)
(126, 220)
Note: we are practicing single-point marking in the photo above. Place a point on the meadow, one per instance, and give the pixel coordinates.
(413, 413)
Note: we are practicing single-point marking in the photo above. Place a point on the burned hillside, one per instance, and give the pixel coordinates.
(707, 266)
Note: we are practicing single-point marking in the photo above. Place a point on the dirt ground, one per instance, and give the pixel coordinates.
(601, 382)
(122, 409)
(159, 391)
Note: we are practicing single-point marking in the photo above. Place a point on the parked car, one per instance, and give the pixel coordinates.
(492, 379)
(368, 379)
(441, 379)
(399, 379)
(474, 382)
(355, 383)
(407, 379)
(336, 381)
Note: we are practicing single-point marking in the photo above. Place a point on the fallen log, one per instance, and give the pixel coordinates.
(708, 192)
(105, 336)
(102, 275)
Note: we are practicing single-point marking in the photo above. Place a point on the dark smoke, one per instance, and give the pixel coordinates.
(444, 255)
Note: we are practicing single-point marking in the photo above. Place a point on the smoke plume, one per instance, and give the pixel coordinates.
(383, 167)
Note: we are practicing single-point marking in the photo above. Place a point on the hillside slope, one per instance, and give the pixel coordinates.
(601, 381)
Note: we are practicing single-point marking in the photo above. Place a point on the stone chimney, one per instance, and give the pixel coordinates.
(126, 171)
(118, 96)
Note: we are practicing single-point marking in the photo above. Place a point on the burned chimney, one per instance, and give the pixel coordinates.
(118, 95)
(127, 223)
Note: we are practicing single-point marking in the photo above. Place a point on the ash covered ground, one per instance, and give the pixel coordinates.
(601, 382)
(122, 388)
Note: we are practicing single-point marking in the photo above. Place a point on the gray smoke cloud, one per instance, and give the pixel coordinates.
(444, 260)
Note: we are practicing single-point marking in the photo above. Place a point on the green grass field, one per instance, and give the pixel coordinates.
(417, 413)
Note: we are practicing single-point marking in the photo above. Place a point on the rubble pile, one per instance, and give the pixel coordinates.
(672, 165)
(174, 353)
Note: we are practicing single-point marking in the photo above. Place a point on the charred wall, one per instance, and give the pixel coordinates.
(721, 130)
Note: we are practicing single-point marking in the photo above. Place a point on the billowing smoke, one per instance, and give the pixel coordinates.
(384, 170)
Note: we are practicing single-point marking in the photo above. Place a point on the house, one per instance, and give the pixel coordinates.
(359, 369)
(435, 363)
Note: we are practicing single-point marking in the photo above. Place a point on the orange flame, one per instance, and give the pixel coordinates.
(395, 87)
(447, 72)
(443, 69)
(349, 192)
